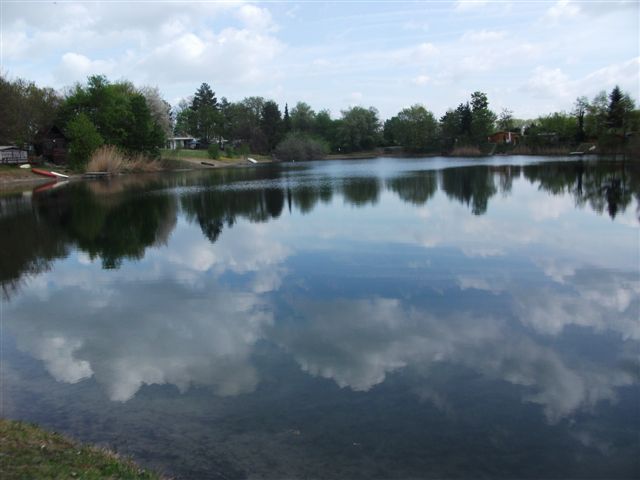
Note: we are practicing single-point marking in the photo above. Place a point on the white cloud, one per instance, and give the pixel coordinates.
(175, 43)
(555, 84)
(230, 55)
(562, 10)
(358, 343)
(256, 18)
(247, 49)
(626, 74)
(168, 335)
(75, 66)
(550, 207)
(548, 83)
(479, 283)
(596, 299)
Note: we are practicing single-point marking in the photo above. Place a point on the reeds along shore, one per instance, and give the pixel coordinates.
(111, 159)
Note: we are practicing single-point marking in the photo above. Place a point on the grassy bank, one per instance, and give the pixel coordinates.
(13, 172)
(203, 156)
(27, 451)
(354, 155)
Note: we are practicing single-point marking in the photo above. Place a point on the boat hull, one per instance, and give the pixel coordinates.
(43, 173)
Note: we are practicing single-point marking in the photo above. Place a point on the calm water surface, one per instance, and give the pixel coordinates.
(388, 318)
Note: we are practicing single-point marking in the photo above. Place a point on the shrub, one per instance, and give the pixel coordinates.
(213, 151)
(112, 160)
(106, 159)
(466, 151)
(243, 150)
(229, 152)
(299, 146)
(85, 139)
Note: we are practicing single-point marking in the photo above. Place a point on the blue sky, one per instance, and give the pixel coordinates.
(533, 57)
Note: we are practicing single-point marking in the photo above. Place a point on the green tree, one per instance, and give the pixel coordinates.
(181, 115)
(326, 128)
(286, 120)
(561, 124)
(505, 120)
(616, 109)
(203, 116)
(580, 109)
(271, 123)
(143, 133)
(119, 113)
(245, 124)
(596, 117)
(620, 111)
(455, 126)
(359, 129)
(298, 146)
(85, 139)
(303, 118)
(26, 110)
(416, 129)
(390, 131)
(483, 119)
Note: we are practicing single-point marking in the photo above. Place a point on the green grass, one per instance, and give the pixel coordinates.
(184, 153)
(28, 452)
(202, 155)
(14, 171)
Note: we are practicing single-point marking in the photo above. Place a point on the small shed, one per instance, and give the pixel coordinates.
(12, 154)
(54, 144)
(512, 138)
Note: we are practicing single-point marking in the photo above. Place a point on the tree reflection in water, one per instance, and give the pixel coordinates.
(121, 219)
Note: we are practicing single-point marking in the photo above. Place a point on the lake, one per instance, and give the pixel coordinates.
(385, 318)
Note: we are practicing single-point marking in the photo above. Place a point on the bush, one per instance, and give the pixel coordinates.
(229, 152)
(298, 146)
(243, 150)
(213, 151)
(106, 159)
(111, 159)
(85, 139)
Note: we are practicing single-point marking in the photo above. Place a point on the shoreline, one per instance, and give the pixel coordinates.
(31, 451)
(17, 181)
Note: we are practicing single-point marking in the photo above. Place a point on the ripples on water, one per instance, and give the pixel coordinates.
(369, 319)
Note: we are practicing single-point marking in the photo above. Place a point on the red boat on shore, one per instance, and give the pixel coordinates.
(48, 174)
(43, 172)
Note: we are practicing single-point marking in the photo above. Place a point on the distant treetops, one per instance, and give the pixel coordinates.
(138, 121)
(259, 124)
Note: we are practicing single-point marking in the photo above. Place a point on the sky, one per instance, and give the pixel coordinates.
(532, 57)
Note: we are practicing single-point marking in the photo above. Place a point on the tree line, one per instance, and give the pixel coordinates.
(139, 121)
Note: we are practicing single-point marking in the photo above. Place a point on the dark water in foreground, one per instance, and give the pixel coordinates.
(376, 319)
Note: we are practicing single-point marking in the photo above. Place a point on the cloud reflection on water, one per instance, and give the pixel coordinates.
(192, 308)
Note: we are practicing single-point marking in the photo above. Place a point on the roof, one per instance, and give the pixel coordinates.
(505, 132)
(51, 130)
(9, 147)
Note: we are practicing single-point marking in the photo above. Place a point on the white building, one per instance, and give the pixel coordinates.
(175, 143)
(12, 154)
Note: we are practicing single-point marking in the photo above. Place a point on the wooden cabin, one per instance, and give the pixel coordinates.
(11, 154)
(512, 138)
(53, 145)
